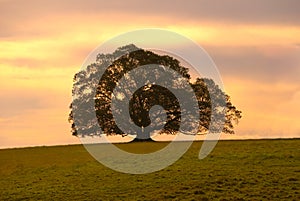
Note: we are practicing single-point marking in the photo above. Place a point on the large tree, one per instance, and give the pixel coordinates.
(102, 77)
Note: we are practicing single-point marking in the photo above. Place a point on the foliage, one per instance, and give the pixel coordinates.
(112, 67)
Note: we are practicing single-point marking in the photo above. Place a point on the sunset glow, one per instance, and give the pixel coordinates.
(41, 50)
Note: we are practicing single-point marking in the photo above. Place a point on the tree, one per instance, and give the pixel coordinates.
(111, 68)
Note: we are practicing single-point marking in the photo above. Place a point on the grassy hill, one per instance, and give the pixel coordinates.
(235, 170)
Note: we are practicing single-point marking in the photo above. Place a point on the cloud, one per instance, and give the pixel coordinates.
(255, 45)
(268, 109)
(270, 64)
(236, 11)
(16, 16)
(45, 126)
(14, 102)
(44, 53)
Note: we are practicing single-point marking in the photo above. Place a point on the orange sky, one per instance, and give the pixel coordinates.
(42, 45)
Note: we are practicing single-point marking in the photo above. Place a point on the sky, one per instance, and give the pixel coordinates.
(255, 45)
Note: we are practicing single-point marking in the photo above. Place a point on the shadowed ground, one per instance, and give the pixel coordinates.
(236, 170)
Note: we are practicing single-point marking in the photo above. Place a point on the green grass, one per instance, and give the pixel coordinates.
(235, 170)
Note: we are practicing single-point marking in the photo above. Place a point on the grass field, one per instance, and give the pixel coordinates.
(235, 170)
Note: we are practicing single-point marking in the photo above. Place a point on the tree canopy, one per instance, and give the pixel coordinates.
(102, 77)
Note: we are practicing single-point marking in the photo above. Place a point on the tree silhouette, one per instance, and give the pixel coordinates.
(111, 68)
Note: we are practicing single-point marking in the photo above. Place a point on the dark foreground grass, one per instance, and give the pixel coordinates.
(235, 170)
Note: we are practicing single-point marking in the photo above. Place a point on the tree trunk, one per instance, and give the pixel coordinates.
(143, 136)
(143, 140)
